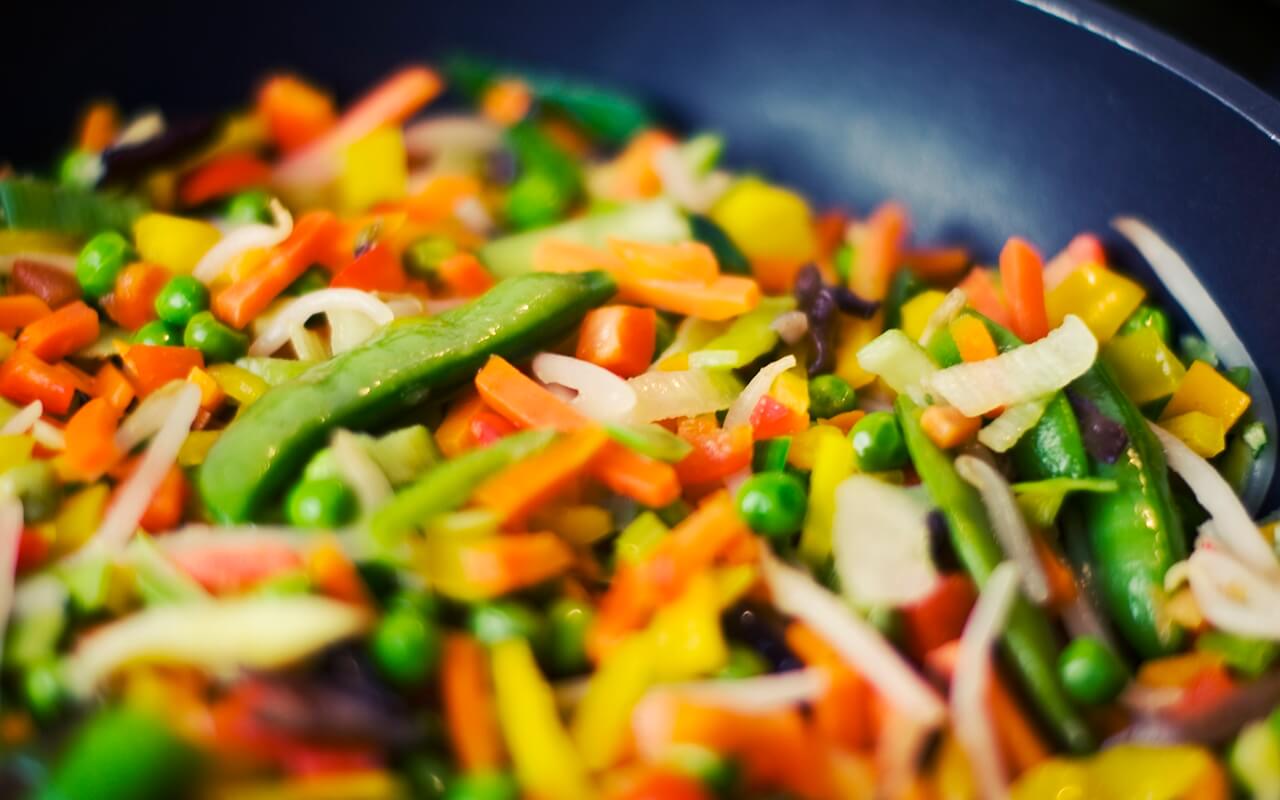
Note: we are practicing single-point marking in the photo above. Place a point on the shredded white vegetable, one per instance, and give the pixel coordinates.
(263, 632)
(48, 436)
(23, 420)
(307, 344)
(148, 417)
(900, 362)
(697, 193)
(135, 493)
(1232, 524)
(860, 644)
(1013, 423)
(599, 394)
(756, 695)
(246, 237)
(1192, 297)
(969, 686)
(360, 471)
(791, 326)
(880, 539)
(10, 539)
(451, 134)
(740, 411)
(349, 329)
(1021, 374)
(324, 301)
(1232, 596)
(1007, 524)
(947, 310)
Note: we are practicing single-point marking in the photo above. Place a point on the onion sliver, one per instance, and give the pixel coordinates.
(860, 644)
(148, 417)
(360, 471)
(683, 393)
(1021, 374)
(1190, 294)
(740, 411)
(902, 363)
(135, 493)
(1007, 524)
(10, 538)
(601, 395)
(1231, 521)
(246, 237)
(971, 720)
(452, 133)
(1005, 430)
(23, 420)
(881, 543)
(324, 301)
(756, 695)
(1233, 597)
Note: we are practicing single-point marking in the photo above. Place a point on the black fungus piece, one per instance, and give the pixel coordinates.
(821, 332)
(808, 285)
(762, 629)
(1104, 438)
(940, 548)
(850, 303)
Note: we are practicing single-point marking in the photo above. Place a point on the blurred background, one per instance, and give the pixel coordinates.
(1243, 34)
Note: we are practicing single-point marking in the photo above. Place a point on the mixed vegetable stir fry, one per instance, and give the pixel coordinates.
(484, 440)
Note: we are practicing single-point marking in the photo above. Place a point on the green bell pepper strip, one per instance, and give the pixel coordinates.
(609, 115)
(1053, 448)
(33, 204)
(1134, 534)
(748, 337)
(262, 450)
(122, 754)
(1028, 639)
(450, 484)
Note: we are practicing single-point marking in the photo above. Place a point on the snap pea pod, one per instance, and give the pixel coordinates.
(1134, 533)
(1054, 447)
(1028, 640)
(262, 450)
(450, 484)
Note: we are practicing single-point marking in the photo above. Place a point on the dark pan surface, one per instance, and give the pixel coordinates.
(988, 117)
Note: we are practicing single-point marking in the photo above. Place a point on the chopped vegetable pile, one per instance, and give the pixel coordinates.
(483, 439)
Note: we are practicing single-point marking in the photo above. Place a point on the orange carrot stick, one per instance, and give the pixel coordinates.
(879, 251)
(296, 113)
(63, 332)
(224, 175)
(91, 440)
(680, 261)
(132, 302)
(726, 296)
(498, 565)
(469, 713)
(98, 128)
(25, 378)
(20, 310)
(111, 384)
(937, 263)
(1022, 273)
(947, 427)
(985, 296)
(243, 300)
(522, 401)
(464, 275)
(150, 367)
(454, 434)
(618, 338)
(515, 492)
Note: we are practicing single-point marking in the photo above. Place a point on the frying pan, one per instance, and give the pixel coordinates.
(988, 118)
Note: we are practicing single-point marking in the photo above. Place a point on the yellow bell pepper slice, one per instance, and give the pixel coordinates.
(832, 463)
(1204, 389)
(1144, 365)
(374, 169)
(15, 450)
(1199, 431)
(239, 384)
(546, 762)
(852, 334)
(602, 721)
(916, 312)
(803, 452)
(195, 447)
(1102, 299)
(772, 226)
(791, 389)
(79, 516)
(580, 525)
(174, 242)
(686, 636)
(1177, 772)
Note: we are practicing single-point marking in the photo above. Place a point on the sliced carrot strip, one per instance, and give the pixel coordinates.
(972, 339)
(879, 251)
(245, 299)
(515, 492)
(63, 332)
(469, 713)
(1022, 274)
(17, 311)
(947, 427)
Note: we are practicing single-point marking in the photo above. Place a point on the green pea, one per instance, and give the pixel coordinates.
(1148, 317)
(499, 620)
(536, 198)
(218, 342)
(773, 503)
(100, 262)
(483, 786)
(181, 299)
(251, 206)
(1090, 672)
(320, 503)
(406, 646)
(743, 663)
(157, 333)
(43, 690)
(80, 169)
(878, 443)
(567, 625)
(830, 395)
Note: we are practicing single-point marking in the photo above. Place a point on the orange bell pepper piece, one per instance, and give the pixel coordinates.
(132, 302)
(295, 112)
(879, 251)
(150, 367)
